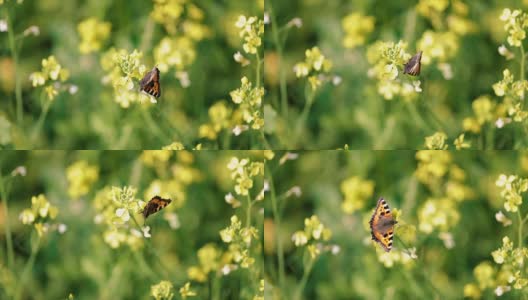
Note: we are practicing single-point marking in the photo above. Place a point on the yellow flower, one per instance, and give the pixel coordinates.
(250, 101)
(438, 213)
(460, 143)
(251, 29)
(93, 34)
(81, 176)
(162, 290)
(51, 92)
(356, 191)
(436, 141)
(174, 146)
(356, 27)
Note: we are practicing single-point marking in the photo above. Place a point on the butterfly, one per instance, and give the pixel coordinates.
(382, 225)
(412, 67)
(150, 83)
(154, 205)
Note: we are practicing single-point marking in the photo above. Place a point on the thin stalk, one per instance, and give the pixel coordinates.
(9, 239)
(14, 54)
(27, 269)
(304, 280)
(257, 75)
(304, 115)
(519, 232)
(282, 75)
(523, 58)
(152, 125)
(248, 211)
(41, 119)
(264, 140)
(277, 220)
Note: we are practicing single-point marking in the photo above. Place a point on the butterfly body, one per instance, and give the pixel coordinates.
(150, 83)
(382, 225)
(154, 205)
(413, 66)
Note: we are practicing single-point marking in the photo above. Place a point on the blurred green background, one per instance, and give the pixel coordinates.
(353, 112)
(80, 262)
(90, 118)
(362, 270)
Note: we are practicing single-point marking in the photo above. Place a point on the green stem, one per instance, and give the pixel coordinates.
(282, 75)
(264, 140)
(522, 62)
(276, 217)
(257, 75)
(9, 239)
(27, 268)
(248, 211)
(304, 280)
(14, 53)
(40, 122)
(304, 115)
(152, 125)
(520, 236)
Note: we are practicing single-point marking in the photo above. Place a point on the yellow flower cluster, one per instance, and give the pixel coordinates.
(115, 207)
(450, 21)
(93, 34)
(485, 110)
(240, 240)
(243, 171)
(250, 101)
(356, 191)
(512, 187)
(51, 72)
(437, 141)
(172, 186)
(40, 213)
(315, 66)
(210, 259)
(513, 92)
(251, 30)
(314, 233)
(438, 46)
(81, 176)
(516, 23)
(387, 59)
(446, 180)
(356, 27)
(180, 16)
(185, 291)
(123, 70)
(438, 214)
(162, 290)
(177, 52)
(174, 146)
(404, 257)
(220, 118)
(183, 21)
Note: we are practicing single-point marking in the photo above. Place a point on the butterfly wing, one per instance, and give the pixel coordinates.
(150, 83)
(154, 205)
(382, 225)
(414, 65)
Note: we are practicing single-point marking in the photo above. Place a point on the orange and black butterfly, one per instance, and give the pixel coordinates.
(150, 83)
(412, 67)
(154, 205)
(382, 225)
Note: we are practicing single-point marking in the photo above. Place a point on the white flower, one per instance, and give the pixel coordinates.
(172, 219)
(299, 238)
(501, 218)
(146, 231)
(288, 156)
(3, 26)
(123, 214)
(62, 228)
